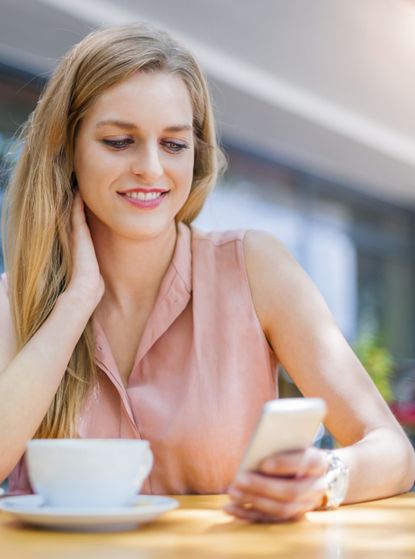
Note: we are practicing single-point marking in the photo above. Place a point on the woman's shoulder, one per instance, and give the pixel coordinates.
(263, 258)
(280, 287)
(269, 263)
(217, 238)
(262, 248)
(258, 246)
(257, 250)
(254, 238)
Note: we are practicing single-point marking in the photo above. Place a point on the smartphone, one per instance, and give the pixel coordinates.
(285, 424)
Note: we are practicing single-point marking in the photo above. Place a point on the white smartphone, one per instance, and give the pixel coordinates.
(285, 424)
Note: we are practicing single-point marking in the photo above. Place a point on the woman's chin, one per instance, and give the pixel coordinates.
(146, 230)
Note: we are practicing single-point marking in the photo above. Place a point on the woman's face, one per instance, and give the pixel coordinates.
(134, 155)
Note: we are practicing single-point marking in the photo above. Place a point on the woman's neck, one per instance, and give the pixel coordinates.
(132, 269)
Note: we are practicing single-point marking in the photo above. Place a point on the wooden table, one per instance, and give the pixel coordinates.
(200, 530)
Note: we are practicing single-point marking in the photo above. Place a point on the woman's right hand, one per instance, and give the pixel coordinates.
(86, 283)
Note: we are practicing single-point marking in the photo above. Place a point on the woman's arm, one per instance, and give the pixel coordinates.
(307, 342)
(30, 379)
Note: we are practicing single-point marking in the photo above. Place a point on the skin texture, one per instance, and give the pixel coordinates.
(110, 157)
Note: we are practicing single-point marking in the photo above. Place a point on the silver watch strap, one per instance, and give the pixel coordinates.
(337, 478)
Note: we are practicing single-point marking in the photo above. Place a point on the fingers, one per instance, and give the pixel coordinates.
(269, 512)
(271, 500)
(78, 213)
(86, 282)
(80, 229)
(80, 236)
(286, 486)
(281, 489)
(245, 513)
(310, 462)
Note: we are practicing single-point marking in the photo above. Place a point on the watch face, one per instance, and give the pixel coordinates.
(339, 488)
(338, 481)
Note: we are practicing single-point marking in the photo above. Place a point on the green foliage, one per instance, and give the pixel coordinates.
(378, 362)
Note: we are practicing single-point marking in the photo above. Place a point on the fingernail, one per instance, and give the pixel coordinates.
(269, 465)
(235, 493)
(242, 479)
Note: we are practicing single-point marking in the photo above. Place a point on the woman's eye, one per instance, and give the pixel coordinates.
(175, 146)
(118, 144)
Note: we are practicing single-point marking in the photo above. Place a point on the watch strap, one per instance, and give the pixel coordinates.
(337, 478)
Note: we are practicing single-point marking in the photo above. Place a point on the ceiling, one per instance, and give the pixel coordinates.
(327, 85)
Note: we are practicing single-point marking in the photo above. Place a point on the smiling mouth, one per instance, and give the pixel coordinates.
(144, 199)
(144, 195)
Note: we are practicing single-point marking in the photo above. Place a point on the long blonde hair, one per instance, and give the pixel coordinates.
(38, 200)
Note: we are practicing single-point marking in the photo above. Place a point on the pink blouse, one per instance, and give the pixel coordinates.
(202, 372)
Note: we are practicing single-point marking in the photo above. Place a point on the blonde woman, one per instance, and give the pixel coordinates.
(118, 319)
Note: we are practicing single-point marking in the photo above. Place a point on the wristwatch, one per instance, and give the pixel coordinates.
(337, 477)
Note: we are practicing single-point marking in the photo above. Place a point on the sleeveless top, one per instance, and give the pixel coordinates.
(202, 372)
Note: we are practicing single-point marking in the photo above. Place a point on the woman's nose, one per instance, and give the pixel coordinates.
(147, 164)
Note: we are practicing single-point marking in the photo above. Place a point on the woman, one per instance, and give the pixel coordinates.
(129, 323)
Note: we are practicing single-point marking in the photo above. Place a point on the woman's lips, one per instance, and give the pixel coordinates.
(144, 199)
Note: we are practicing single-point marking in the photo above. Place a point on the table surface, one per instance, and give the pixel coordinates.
(199, 529)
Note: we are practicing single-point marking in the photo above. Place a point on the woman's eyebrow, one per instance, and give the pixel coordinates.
(132, 126)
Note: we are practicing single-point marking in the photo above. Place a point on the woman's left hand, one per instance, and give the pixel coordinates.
(286, 486)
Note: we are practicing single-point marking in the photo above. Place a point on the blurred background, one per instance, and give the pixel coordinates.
(314, 103)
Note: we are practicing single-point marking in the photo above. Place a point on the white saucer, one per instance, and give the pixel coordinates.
(31, 509)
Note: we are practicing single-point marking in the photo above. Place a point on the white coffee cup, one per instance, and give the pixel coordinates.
(88, 472)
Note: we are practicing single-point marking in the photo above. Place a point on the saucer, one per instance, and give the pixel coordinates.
(32, 509)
